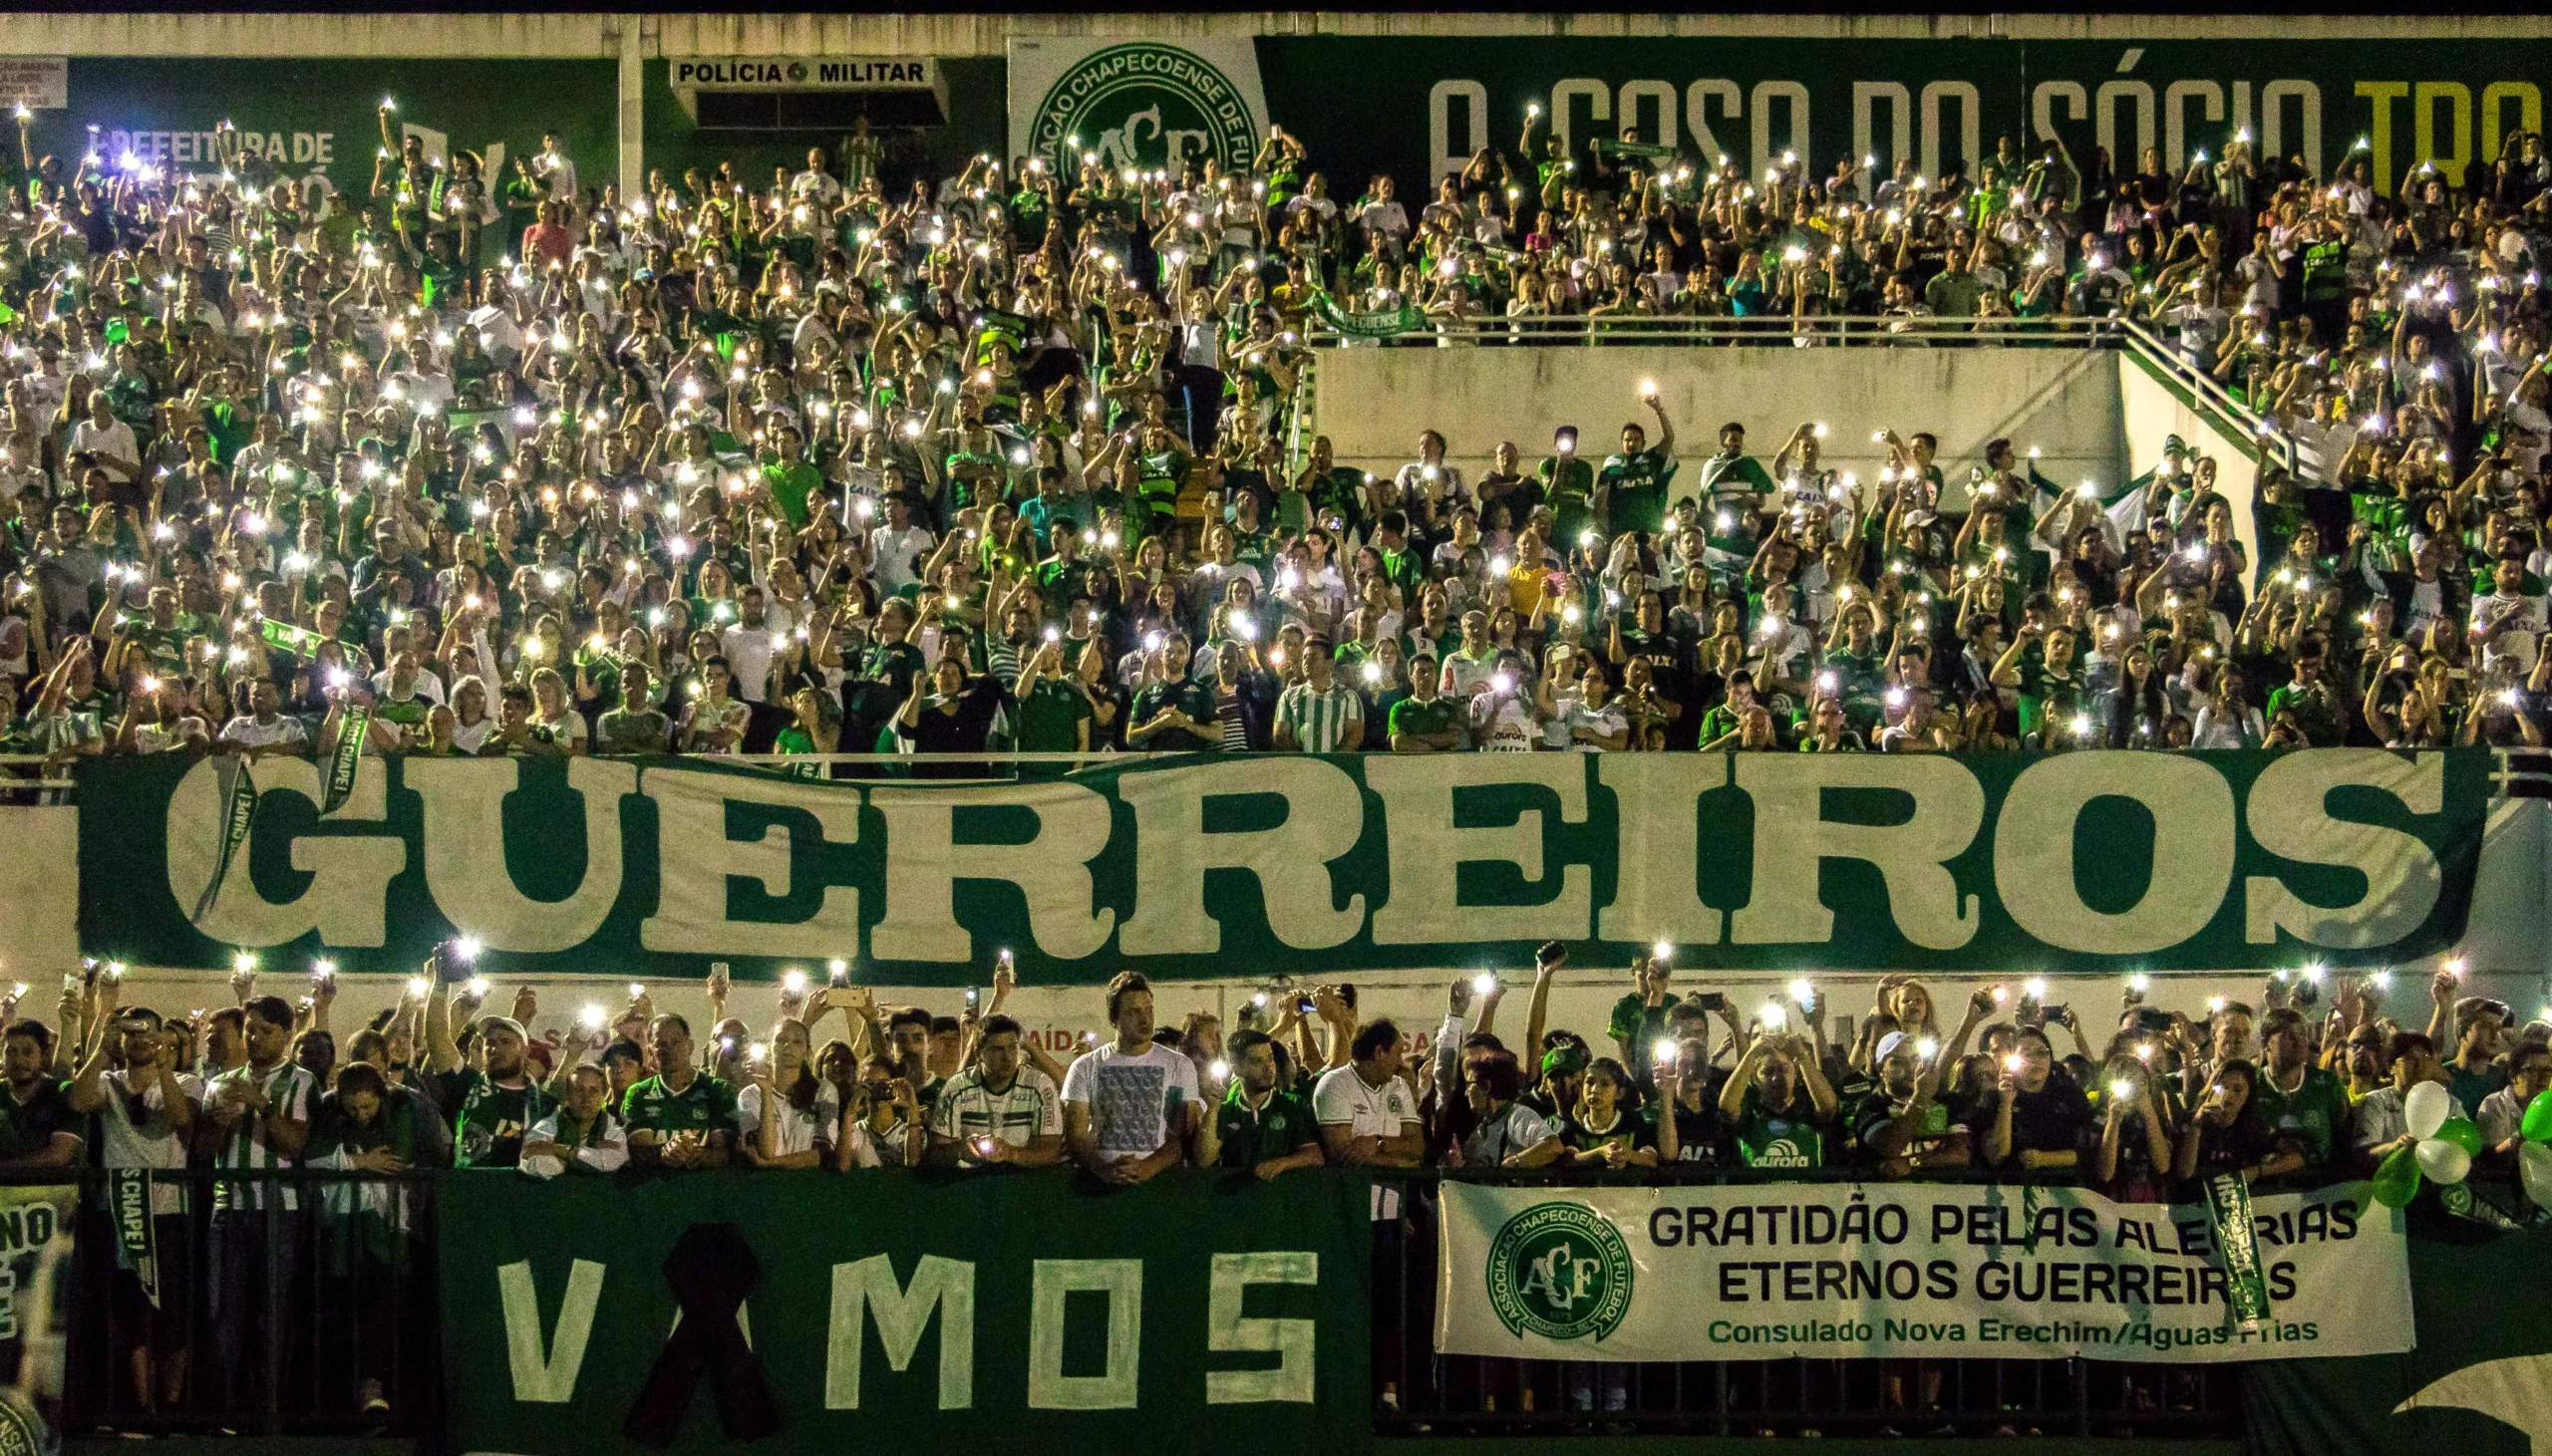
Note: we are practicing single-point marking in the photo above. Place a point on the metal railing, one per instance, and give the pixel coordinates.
(308, 1301)
(2515, 773)
(1763, 331)
(275, 1301)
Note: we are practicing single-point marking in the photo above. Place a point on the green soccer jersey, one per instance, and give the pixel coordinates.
(1790, 1138)
(488, 1120)
(706, 1105)
(1568, 487)
(1047, 717)
(1274, 1129)
(2315, 1113)
(1635, 491)
(1426, 718)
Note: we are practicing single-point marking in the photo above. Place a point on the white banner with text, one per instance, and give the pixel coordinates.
(1764, 1271)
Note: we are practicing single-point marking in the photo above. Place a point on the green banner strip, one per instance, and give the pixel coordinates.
(889, 1309)
(136, 1232)
(1213, 865)
(285, 637)
(1371, 323)
(352, 731)
(2237, 1249)
(238, 815)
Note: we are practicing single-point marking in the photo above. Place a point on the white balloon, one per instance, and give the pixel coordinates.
(2445, 1163)
(2426, 1109)
(2534, 1165)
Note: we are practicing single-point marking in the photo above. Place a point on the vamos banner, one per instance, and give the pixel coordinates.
(1755, 1272)
(888, 1310)
(1201, 866)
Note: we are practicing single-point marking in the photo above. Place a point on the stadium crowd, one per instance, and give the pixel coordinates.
(2133, 1101)
(456, 463)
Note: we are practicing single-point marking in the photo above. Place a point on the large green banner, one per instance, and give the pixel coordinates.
(2479, 1385)
(319, 117)
(1212, 865)
(886, 1310)
(1423, 105)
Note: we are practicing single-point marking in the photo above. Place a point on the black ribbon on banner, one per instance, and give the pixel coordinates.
(711, 1269)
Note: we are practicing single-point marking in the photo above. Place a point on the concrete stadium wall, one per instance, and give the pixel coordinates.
(2152, 408)
(2062, 401)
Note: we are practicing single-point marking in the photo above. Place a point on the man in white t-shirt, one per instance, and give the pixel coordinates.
(750, 645)
(896, 549)
(1366, 1114)
(2507, 623)
(816, 184)
(1130, 1107)
(263, 727)
(556, 169)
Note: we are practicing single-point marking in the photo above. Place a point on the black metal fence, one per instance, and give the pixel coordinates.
(307, 1304)
(257, 1304)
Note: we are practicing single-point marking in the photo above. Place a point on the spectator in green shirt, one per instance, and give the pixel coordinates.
(1778, 1101)
(636, 726)
(2299, 1101)
(1052, 714)
(1173, 713)
(2309, 706)
(682, 1117)
(1260, 1126)
(1426, 722)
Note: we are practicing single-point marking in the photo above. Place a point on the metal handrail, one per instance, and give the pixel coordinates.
(2143, 343)
(1861, 329)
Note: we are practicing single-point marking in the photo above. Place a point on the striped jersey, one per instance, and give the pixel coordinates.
(1320, 720)
(293, 1092)
(967, 1110)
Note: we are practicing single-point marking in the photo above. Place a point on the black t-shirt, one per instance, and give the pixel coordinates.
(2247, 1143)
(2051, 1119)
(27, 1127)
(964, 730)
(1875, 1110)
(1701, 1134)
(1628, 1128)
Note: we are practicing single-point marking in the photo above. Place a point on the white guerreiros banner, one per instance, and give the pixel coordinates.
(1760, 1271)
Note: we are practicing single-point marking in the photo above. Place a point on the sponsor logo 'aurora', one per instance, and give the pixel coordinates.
(1145, 105)
(1561, 1270)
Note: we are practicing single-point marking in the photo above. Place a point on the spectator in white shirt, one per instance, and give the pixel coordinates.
(2383, 1122)
(1368, 1114)
(2502, 1113)
(583, 1133)
(107, 440)
(1130, 1107)
(749, 646)
(897, 549)
(816, 184)
(556, 171)
(263, 727)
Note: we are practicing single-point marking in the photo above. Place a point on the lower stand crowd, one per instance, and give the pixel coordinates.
(1680, 1080)
(1688, 1078)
